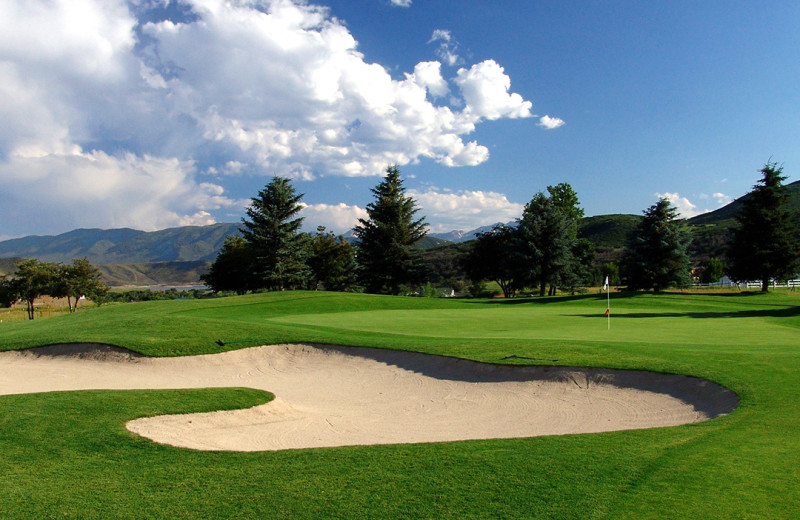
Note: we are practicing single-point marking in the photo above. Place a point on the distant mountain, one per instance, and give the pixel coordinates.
(124, 246)
(464, 236)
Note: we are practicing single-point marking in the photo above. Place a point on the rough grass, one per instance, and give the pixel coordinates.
(68, 454)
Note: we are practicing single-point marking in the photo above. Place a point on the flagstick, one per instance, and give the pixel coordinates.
(608, 304)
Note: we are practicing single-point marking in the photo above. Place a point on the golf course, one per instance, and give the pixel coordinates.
(74, 454)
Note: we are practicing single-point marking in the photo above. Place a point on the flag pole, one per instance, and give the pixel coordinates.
(607, 288)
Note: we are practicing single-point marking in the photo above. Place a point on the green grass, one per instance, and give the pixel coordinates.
(68, 455)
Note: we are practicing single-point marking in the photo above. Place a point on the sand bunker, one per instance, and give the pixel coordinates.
(339, 396)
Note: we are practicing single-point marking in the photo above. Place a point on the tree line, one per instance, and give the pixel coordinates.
(34, 279)
(540, 251)
(272, 253)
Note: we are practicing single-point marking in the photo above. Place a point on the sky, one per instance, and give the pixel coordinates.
(152, 114)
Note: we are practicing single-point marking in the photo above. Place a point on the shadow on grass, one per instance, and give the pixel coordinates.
(788, 312)
(539, 300)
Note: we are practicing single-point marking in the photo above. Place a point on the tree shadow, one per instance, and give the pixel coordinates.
(787, 312)
(538, 300)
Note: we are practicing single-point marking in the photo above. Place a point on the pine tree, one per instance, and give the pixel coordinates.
(385, 239)
(765, 241)
(656, 256)
(274, 236)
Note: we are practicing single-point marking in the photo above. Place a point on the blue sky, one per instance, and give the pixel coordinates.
(152, 114)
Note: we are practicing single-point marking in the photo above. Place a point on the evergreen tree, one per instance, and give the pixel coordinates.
(385, 239)
(273, 233)
(765, 241)
(656, 256)
(546, 241)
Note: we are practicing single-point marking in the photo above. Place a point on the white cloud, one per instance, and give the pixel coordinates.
(440, 35)
(401, 3)
(485, 89)
(550, 122)
(95, 189)
(448, 47)
(275, 86)
(685, 207)
(428, 74)
(722, 199)
(338, 218)
(465, 210)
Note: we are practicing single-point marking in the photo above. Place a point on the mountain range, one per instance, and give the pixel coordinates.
(126, 254)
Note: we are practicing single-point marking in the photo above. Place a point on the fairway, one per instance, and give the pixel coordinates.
(742, 465)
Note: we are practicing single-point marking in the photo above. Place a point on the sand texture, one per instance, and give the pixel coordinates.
(339, 396)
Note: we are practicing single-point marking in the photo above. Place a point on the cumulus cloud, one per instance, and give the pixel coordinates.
(685, 207)
(465, 209)
(68, 190)
(688, 209)
(428, 74)
(401, 3)
(339, 218)
(148, 103)
(485, 89)
(550, 122)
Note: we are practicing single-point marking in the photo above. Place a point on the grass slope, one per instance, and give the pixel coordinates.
(68, 454)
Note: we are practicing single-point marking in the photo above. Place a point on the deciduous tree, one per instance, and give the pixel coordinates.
(546, 240)
(32, 280)
(578, 270)
(495, 256)
(234, 267)
(77, 280)
(332, 261)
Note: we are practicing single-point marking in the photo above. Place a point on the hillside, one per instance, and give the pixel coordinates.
(123, 246)
(8, 265)
(154, 273)
(724, 216)
(712, 231)
(608, 231)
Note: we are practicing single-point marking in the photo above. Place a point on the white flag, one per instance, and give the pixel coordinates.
(605, 285)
